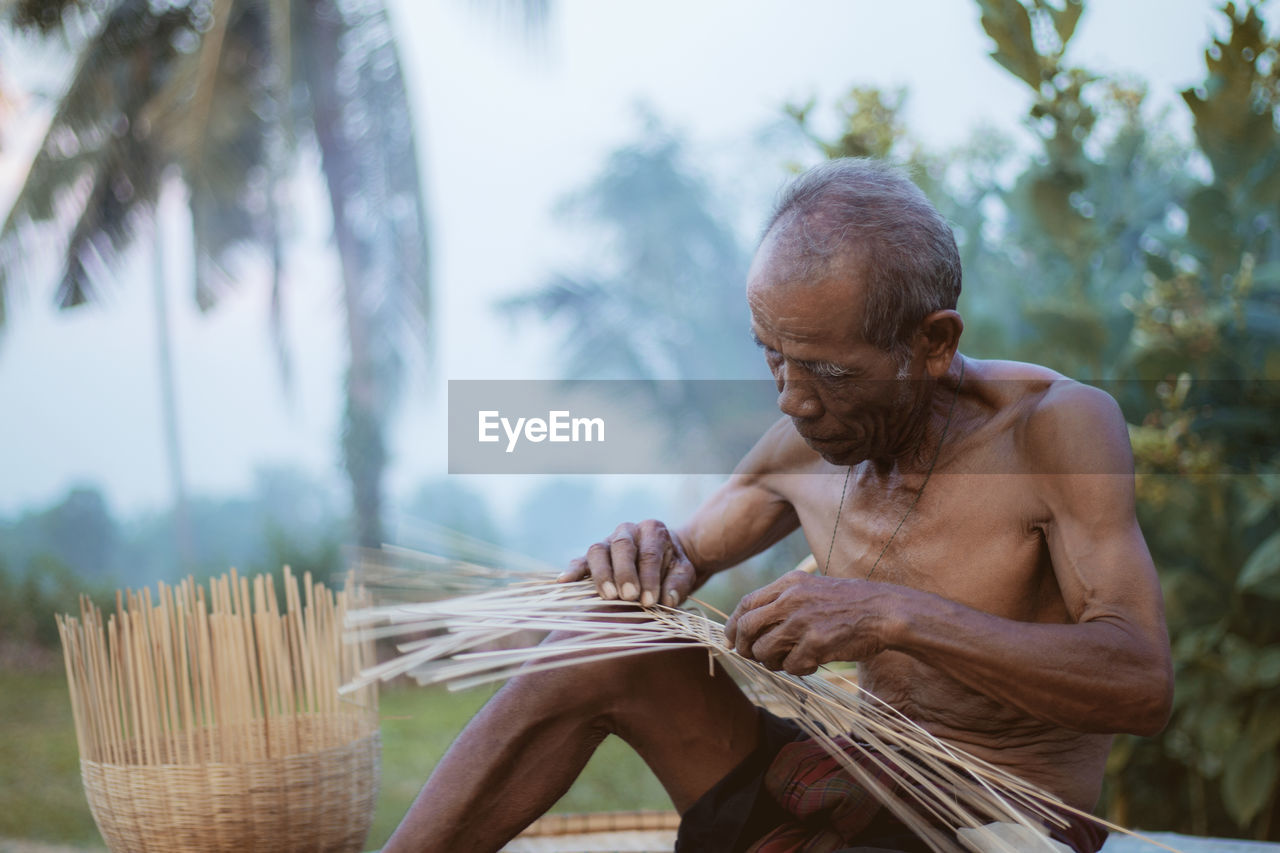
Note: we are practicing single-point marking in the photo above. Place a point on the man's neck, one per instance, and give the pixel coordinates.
(926, 435)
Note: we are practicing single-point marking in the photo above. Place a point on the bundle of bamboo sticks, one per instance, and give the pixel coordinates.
(223, 676)
(464, 641)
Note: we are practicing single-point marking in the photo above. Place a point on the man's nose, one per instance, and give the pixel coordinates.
(797, 397)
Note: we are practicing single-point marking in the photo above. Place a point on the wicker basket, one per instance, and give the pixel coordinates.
(220, 727)
(600, 832)
(321, 798)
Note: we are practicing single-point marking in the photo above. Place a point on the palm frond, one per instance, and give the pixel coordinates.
(95, 175)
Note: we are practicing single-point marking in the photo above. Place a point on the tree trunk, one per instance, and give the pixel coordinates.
(169, 403)
(363, 444)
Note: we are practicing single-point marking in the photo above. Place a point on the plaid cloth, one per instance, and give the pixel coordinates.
(827, 805)
(790, 796)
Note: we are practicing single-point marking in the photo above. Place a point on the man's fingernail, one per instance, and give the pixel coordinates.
(672, 597)
(629, 591)
(647, 598)
(608, 590)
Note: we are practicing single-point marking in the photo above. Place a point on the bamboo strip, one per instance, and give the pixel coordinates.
(190, 674)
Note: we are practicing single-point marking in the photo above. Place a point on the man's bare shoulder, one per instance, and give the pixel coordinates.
(779, 451)
(1011, 384)
(1060, 425)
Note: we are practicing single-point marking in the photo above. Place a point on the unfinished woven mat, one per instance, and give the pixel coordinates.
(212, 721)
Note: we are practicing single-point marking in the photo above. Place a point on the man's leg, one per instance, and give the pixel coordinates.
(527, 745)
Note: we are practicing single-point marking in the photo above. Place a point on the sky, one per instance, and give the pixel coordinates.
(508, 125)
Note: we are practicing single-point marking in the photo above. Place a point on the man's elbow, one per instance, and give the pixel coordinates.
(1154, 703)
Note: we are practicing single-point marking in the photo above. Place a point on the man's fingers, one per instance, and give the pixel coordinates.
(766, 594)
(770, 651)
(601, 568)
(732, 627)
(678, 583)
(799, 661)
(655, 552)
(622, 551)
(577, 571)
(747, 631)
(751, 602)
(638, 562)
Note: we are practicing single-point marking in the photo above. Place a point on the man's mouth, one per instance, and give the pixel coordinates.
(825, 443)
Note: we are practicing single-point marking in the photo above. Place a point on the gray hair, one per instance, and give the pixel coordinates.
(872, 212)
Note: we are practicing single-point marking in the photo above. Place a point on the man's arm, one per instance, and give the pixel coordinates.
(1110, 671)
(646, 562)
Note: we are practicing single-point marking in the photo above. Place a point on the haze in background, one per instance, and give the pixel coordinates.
(509, 125)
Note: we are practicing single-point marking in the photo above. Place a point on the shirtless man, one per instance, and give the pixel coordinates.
(973, 523)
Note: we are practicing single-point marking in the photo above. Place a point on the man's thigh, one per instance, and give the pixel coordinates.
(689, 721)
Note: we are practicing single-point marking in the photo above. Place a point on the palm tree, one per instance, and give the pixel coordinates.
(673, 257)
(220, 95)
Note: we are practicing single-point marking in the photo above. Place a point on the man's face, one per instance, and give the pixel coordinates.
(849, 400)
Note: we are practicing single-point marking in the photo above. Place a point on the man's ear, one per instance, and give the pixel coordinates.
(939, 334)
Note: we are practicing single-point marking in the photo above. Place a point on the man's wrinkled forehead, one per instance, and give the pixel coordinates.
(792, 299)
(806, 248)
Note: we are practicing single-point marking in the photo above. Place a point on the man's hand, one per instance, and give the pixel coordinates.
(800, 622)
(639, 562)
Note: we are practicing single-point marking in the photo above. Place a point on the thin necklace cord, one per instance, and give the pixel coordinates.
(845, 488)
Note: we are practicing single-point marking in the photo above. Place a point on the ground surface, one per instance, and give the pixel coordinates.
(43, 810)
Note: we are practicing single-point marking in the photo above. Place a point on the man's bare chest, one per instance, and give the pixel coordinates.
(974, 538)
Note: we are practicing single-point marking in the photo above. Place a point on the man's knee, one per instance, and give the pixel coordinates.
(609, 687)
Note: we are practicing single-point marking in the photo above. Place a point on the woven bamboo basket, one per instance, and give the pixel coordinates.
(601, 832)
(212, 722)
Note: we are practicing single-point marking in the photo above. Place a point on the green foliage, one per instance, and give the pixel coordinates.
(1234, 113)
(30, 598)
(1101, 184)
(870, 122)
(1014, 28)
(1209, 481)
(49, 556)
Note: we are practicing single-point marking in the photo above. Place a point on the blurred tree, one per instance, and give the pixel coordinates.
(82, 533)
(667, 254)
(222, 95)
(77, 531)
(30, 598)
(1103, 181)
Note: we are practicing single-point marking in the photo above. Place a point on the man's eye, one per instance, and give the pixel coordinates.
(826, 370)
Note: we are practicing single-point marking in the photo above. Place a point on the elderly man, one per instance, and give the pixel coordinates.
(974, 528)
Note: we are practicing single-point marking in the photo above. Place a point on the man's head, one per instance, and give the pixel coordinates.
(853, 293)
